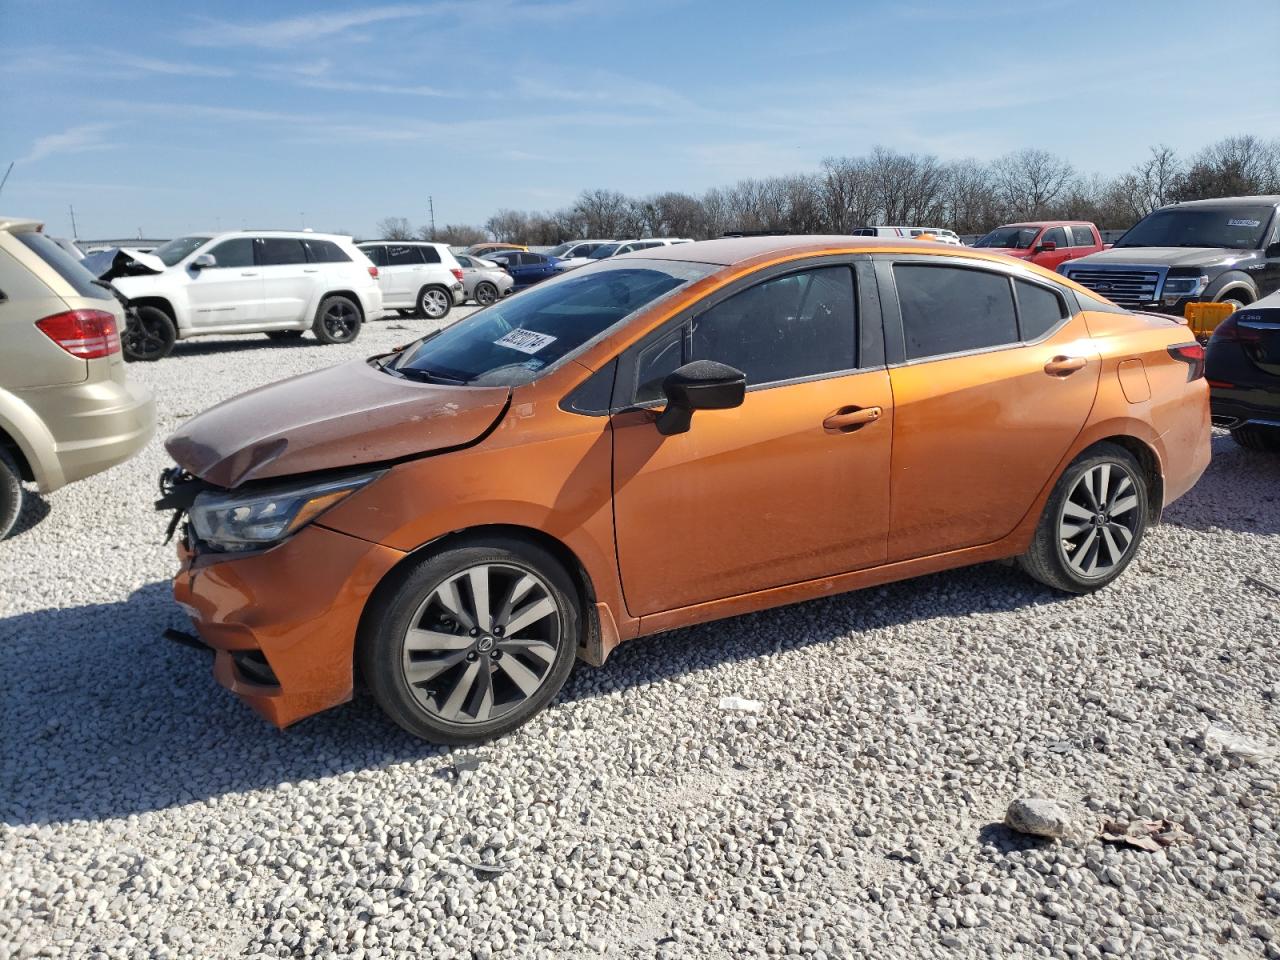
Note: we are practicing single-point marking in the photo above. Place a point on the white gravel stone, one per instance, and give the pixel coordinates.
(144, 812)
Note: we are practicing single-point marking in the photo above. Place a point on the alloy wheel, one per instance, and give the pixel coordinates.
(1099, 520)
(482, 643)
(486, 294)
(434, 304)
(145, 338)
(341, 320)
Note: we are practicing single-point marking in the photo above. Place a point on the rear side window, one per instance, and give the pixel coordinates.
(378, 254)
(1082, 236)
(953, 309)
(234, 253)
(430, 254)
(326, 251)
(403, 256)
(278, 251)
(799, 325)
(1039, 309)
(1055, 235)
(63, 264)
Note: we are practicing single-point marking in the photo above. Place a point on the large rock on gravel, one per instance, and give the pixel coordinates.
(1039, 818)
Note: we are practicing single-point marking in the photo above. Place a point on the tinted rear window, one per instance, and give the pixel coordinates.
(1039, 309)
(1082, 236)
(64, 265)
(326, 251)
(953, 309)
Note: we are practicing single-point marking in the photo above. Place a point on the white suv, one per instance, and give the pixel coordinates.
(275, 282)
(416, 276)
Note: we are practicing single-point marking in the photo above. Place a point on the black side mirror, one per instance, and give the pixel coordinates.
(1047, 247)
(701, 385)
(1272, 252)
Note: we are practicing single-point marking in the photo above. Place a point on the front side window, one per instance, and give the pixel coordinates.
(282, 251)
(953, 309)
(799, 325)
(174, 251)
(1240, 228)
(237, 252)
(604, 251)
(1081, 237)
(510, 342)
(1055, 235)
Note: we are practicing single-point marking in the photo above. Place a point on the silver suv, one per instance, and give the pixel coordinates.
(67, 411)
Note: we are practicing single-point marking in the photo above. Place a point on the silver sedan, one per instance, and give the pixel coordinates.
(483, 280)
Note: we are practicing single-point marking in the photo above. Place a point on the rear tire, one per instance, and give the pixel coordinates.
(434, 303)
(149, 334)
(470, 643)
(11, 493)
(337, 320)
(1253, 437)
(486, 293)
(1093, 522)
(285, 335)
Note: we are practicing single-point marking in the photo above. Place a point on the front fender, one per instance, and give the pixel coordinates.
(33, 439)
(1228, 281)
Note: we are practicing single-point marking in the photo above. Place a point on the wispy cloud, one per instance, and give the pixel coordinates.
(355, 86)
(172, 68)
(288, 31)
(78, 139)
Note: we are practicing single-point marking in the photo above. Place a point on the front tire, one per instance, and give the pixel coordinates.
(337, 320)
(1253, 437)
(1092, 524)
(11, 493)
(471, 642)
(149, 334)
(434, 303)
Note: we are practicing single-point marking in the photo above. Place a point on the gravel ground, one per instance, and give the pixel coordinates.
(145, 813)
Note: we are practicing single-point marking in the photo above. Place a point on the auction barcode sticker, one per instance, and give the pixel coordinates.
(1244, 223)
(526, 341)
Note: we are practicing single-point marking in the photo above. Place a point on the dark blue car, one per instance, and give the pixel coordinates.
(526, 269)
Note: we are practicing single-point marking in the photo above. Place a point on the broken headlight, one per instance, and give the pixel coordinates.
(247, 520)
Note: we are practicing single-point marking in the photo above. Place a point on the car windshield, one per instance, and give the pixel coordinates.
(561, 250)
(604, 250)
(175, 250)
(1017, 238)
(510, 342)
(1240, 228)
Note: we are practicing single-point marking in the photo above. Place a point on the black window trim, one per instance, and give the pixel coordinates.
(895, 334)
(869, 344)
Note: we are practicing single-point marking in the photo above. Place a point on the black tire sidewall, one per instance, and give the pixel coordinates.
(319, 329)
(11, 493)
(169, 334)
(486, 285)
(396, 601)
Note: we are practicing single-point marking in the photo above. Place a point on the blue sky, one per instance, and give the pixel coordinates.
(166, 118)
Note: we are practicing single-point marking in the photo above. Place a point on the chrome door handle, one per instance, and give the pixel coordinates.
(848, 419)
(1063, 366)
(311, 270)
(249, 273)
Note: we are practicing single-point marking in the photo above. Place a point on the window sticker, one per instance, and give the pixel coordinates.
(534, 364)
(526, 341)
(1244, 223)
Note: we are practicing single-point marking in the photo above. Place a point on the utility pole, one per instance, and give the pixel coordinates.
(6, 175)
(431, 205)
(75, 234)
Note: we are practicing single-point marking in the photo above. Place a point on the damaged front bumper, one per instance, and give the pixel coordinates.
(282, 622)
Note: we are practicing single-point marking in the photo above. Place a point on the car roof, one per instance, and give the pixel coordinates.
(1048, 223)
(411, 243)
(731, 250)
(19, 224)
(1271, 199)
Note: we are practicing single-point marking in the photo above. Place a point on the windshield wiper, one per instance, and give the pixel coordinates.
(427, 376)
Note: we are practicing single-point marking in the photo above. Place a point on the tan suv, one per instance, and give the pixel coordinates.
(67, 410)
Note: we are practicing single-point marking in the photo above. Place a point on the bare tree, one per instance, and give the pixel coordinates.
(508, 226)
(972, 203)
(603, 212)
(1236, 166)
(394, 228)
(1030, 181)
(456, 235)
(847, 194)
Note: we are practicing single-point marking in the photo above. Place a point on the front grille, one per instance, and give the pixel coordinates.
(1127, 286)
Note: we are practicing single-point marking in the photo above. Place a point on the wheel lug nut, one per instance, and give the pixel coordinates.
(475, 632)
(497, 631)
(496, 655)
(471, 656)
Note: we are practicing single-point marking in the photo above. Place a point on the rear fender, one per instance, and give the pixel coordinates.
(33, 440)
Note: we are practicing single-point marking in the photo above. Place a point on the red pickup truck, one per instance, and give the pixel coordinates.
(1046, 243)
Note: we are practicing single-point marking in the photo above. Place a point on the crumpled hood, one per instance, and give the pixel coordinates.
(344, 416)
(1164, 256)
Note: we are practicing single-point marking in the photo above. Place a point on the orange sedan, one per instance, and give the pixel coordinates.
(669, 437)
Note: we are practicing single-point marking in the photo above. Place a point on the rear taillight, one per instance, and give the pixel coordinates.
(373, 272)
(87, 334)
(457, 273)
(1192, 354)
(1229, 330)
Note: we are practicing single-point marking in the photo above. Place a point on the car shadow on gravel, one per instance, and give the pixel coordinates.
(251, 341)
(104, 718)
(34, 509)
(1239, 492)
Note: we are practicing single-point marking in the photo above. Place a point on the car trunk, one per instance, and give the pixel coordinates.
(1258, 331)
